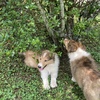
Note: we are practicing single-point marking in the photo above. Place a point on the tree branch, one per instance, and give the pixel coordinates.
(45, 20)
(62, 15)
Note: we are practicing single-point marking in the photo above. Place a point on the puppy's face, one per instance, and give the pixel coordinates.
(72, 46)
(45, 59)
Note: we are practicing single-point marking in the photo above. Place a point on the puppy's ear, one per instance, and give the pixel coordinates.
(52, 55)
(66, 41)
(72, 48)
(82, 46)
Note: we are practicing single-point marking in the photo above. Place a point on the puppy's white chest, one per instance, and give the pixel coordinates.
(78, 54)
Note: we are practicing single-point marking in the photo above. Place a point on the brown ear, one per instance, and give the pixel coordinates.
(82, 46)
(52, 55)
(72, 48)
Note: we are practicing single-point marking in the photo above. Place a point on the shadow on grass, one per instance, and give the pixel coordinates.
(65, 69)
(77, 91)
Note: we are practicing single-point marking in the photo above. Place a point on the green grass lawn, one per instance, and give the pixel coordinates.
(22, 28)
(19, 82)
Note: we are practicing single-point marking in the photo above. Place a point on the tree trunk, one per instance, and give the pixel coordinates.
(70, 21)
(70, 25)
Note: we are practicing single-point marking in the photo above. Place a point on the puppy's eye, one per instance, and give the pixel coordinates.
(46, 60)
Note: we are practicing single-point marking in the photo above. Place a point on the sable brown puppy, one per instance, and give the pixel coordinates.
(31, 58)
(84, 70)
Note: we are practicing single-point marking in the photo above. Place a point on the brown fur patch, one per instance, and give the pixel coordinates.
(72, 45)
(89, 65)
(31, 58)
(49, 55)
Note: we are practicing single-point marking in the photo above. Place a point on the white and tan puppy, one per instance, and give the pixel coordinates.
(84, 69)
(48, 65)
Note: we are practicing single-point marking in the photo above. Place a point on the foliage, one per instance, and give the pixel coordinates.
(22, 27)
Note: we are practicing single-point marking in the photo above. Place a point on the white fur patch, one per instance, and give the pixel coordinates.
(40, 64)
(73, 79)
(79, 53)
(44, 54)
(66, 39)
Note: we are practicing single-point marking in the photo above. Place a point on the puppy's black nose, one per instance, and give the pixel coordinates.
(39, 66)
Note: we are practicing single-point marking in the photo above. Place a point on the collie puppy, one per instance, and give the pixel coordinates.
(31, 58)
(84, 70)
(48, 65)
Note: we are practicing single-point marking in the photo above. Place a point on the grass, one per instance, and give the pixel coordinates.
(19, 82)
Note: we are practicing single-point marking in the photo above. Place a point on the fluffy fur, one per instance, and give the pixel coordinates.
(31, 58)
(48, 63)
(84, 70)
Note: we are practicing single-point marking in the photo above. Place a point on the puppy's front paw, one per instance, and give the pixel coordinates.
(73, 79)
(46, 87)
(53, 84)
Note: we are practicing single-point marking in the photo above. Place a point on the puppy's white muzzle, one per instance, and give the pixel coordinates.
(40, 66)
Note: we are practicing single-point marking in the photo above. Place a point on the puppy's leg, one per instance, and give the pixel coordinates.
(44, 76)
(53, 83)
(73, 79)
